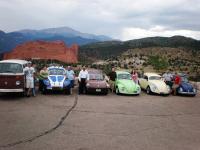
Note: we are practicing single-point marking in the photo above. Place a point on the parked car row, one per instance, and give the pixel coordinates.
(12, 79)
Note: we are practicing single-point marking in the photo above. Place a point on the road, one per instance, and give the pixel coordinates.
(93, 122)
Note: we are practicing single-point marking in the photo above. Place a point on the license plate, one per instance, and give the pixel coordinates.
(98, 90)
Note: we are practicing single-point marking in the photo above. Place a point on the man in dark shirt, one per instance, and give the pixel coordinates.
(112, 75)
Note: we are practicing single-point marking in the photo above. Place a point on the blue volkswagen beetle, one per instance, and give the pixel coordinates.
(57, 80)
(185, 87)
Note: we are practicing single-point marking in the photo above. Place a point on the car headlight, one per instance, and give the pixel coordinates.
(168, 87)
(153, 87)
(122, 88)
(18, 82)
(107, 85)
(66, 83)
(138, 89)
(181, 89)
(47, 82)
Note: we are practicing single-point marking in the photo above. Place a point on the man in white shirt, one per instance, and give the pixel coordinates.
(29, 73)
(82, 78)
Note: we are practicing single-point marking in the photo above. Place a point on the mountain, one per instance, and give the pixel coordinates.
(9, 41)
(108, 49)
(62, 31)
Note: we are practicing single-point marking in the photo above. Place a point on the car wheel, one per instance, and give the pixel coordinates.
(68, 91)
(117, 91)
(22, 94)
(106, 92)
(44, 91)
(149, 90)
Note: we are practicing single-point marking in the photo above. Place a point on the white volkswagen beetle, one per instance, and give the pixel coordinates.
(57, 80)
(153, 83)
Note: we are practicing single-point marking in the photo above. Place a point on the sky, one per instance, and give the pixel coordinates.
(119, 19)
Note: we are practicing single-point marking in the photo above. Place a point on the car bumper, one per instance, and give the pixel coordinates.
(162, 93)
(187, 93)
(58, 88)
(11, 90)
(97, 90)
(130, 93)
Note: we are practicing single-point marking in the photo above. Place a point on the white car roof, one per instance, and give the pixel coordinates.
(14, 61)
(58, 67)
(151, 74)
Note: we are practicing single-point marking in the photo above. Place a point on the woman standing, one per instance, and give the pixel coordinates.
(134, 76)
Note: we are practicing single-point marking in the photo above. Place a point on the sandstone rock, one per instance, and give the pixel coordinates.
(56, 50)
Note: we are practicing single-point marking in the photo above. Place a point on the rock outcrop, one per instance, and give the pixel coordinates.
(56, 50)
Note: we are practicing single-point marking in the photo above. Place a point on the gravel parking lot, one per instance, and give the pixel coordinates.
(96, 122)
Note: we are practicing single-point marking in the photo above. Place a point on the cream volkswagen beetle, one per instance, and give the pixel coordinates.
(153, 83)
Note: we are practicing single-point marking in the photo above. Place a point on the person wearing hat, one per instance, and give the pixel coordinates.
(29, 73)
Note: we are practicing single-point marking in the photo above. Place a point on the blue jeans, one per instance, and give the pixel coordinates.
(72, 83)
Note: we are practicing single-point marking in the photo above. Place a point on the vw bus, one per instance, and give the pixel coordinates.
(12, 78)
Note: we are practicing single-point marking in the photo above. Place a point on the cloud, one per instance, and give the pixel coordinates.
(136, 33)
(113, 18)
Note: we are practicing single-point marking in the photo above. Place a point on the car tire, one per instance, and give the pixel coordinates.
(106, 92)
(68, 91)
(148, 90)
(44, 91)
(117, 91)
(22, 94)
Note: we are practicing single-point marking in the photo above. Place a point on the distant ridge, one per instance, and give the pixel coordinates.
(105, 50)
(68, 35)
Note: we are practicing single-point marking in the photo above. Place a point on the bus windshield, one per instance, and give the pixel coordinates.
(11, 68)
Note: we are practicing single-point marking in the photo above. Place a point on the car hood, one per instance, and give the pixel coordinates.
(128, 83)
(161, 85)
(97, 83)
(186, 86)
(56, 78)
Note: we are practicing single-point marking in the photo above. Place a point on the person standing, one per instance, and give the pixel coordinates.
(29, 73)
(34, 80)
(177, 82)
(112, 76)
(70, 75)
(134, 76)
(168, 78)
(43, 75)
(82, 78)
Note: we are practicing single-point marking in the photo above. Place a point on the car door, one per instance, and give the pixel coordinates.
(141, 82)
(144, 82)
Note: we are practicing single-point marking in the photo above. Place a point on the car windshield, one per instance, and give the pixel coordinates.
(11, 68)
(125, 76)
(154, 78)
(95, 76)
(184, 79)
(56, 71)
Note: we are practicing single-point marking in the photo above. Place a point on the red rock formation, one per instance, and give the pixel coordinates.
(56, 50)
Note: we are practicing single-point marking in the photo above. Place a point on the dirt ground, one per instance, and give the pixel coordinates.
(97, 122)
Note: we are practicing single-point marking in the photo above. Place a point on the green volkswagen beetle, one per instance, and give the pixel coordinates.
(125, 85)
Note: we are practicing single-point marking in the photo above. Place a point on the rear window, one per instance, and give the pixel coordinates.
(11, 68)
